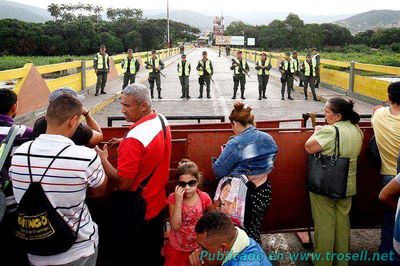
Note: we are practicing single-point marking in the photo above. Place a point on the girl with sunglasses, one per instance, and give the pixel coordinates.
(186, 206)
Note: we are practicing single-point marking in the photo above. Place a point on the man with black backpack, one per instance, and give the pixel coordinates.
(139, 180)
(10, 253)
(51, 177)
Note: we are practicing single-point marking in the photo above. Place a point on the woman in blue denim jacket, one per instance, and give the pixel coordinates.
(251, 153)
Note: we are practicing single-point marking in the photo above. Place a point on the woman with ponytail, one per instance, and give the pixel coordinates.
(251, 153)
(331, 217)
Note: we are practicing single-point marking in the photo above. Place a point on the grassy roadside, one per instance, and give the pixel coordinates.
(11, 62)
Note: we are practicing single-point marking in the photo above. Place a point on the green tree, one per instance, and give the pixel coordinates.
(111, 14)
(335, 35)
(54, 10)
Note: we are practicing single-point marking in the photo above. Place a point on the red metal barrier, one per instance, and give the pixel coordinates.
(290, 207)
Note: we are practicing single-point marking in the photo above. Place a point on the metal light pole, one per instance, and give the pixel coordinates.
(168, 39)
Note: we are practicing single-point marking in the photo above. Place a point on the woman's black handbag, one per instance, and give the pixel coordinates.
(327, 175)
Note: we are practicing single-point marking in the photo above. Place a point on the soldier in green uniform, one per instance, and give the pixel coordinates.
(155, 66)
(101, 65)
(309, 72)
(240, 69)
(228, 50)
(287, 69)
(263, 66)
(205, 70)
(130, 66)
(298, 66)
(316, 60)
(184, 69)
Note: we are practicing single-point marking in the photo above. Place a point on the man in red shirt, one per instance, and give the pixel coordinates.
(144, 153)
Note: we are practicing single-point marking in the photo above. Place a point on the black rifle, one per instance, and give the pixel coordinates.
(154, 69)
(240, 67)
(206, 72)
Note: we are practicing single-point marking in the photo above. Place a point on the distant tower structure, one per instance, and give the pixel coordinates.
(218, 29)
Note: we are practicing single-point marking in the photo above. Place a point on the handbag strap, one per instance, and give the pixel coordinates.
(337, 143)
(143, 184)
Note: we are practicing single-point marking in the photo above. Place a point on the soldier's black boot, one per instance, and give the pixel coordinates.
(152, 93)
(183, 96)
(159, 95)
(283, 97)
(103, 92)
(265, 97)
(97, 93)
(290, 97)
(234, 93)
(317, 85)
(242, 95)
(201, 93)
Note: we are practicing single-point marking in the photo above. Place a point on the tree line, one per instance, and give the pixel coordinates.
(293, 33)
(79, 30)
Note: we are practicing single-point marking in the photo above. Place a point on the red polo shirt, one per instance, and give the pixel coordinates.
(140, 152)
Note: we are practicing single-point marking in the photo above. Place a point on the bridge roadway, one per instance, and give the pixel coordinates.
(221, 93)
(221, 104)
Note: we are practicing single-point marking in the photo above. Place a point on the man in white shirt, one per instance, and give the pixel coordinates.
(76, 171)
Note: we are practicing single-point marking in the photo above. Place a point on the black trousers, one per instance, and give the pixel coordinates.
(257, 202)
(236, 80)
(185, 85)
(262, 84)
(207, 80)
(128, 79)
(101, 80)
(301, 78)
(157, 80)
(287, 82)
(317, 75)
(141, 246)
(309, 81)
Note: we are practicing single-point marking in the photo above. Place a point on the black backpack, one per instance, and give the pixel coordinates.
(40, 229)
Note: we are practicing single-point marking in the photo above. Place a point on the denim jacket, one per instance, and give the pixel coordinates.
(250, 153)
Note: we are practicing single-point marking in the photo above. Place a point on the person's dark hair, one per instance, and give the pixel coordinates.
(7, 98)
(287, 53)
(308, 55)
(239, 52)
(227, 182)
(394, 92)
(63, 108)
(242, 113)
(187, 167)
(345, 108)
(216, 224)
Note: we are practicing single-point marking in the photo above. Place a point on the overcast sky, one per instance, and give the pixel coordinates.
(214, 7)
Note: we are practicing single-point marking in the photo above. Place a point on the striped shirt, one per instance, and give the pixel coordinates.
(65, 185)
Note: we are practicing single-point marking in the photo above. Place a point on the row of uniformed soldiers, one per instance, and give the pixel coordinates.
(290, 67)
(307, 72)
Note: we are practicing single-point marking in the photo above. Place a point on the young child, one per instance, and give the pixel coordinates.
(186, 206)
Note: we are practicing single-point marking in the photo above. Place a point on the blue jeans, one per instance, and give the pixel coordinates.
(387, 224)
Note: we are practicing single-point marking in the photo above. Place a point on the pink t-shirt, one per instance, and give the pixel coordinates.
(184, 239)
